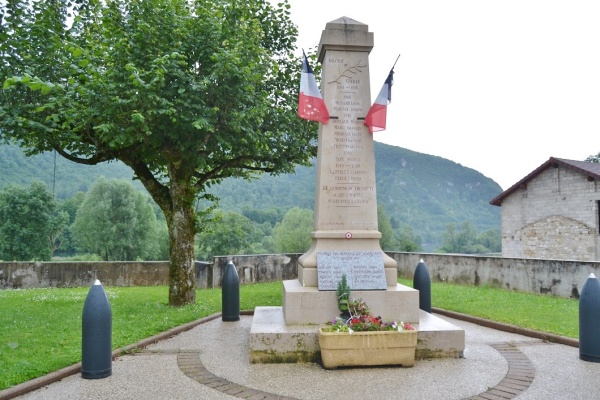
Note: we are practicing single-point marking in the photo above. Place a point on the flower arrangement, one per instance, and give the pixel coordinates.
(356, 316)
(359, 338)
(362, 320)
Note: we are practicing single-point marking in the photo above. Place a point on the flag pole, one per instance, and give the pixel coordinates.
(396, 61)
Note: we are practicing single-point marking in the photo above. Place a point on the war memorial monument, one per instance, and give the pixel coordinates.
(345, 238)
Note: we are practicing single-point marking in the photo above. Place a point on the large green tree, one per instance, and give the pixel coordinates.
(185, 92)
(70, 207)
(408, 240)
(230, 233)
(30, 223)
(292, 235)
(116, 222)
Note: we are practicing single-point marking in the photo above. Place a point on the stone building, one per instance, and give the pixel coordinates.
(552, 213)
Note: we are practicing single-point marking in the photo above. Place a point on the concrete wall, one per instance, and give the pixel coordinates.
(251, 269)
(26, 275)
(554, 217)
(257, 268)
(556, 277)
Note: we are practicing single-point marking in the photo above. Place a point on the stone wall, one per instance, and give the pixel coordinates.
(554, 217)
(257, 268)
(556, 277)
(251, 269)
(26, 275)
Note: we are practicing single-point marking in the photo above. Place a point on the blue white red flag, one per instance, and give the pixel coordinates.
(377, 115)
(311, 105)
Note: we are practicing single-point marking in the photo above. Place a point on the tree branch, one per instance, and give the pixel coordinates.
(158, 191)
(97, 158)
(221, 170)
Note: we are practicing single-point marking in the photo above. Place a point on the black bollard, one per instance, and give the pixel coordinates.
(422, 282)
(589, 320)
(230, 294)
(96, 334)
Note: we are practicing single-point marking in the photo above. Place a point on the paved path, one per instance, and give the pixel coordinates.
(211, 361)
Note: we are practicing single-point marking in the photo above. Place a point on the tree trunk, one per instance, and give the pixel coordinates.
(181, 223)
(176, 200)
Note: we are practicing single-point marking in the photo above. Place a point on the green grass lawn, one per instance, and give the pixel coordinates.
(543, 313)
(40, 329)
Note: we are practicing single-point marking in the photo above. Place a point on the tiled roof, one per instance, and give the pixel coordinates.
(589, 169)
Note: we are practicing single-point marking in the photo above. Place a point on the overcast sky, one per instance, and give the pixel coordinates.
(497, 86)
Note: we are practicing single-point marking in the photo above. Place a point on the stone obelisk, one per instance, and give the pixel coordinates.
(345, 239)
(346, 202)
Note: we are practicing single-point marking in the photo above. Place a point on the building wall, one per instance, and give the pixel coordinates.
(555, 217)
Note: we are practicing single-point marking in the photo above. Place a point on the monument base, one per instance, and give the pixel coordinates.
(308, 305)
(272, 341)
(336, 240)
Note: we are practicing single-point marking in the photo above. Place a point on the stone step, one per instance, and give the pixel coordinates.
(272, 341)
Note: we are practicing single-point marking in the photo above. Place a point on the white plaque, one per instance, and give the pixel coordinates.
(364, 269)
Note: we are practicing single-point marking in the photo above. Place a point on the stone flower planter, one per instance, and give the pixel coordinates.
(342, 349)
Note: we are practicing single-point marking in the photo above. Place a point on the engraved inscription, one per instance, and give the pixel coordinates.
(348, 168)
(347, 176)
(347, 73)
(364, 269)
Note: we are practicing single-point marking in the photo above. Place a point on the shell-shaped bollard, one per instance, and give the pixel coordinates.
(230, 294)
(422, 282)
(589, 320)
(96, 334)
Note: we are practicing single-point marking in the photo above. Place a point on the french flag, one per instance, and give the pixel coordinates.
(311, 105)
(377, 115)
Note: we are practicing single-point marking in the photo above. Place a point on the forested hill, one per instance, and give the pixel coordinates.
(422, 191)
(418, 190)
(62, 176)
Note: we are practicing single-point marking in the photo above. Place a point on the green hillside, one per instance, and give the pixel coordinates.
(429, 192)
(61, 175)
(422, 191)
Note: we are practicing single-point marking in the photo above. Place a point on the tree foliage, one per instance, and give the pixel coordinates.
(116, 222)
(70, 207)
(185, 92)
(593, 158)
(292, 234)
(230, 233)
(30, 223)
(408, 240)
(388, 241)
(468, 241)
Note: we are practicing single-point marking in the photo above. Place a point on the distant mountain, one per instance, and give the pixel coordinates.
(422, 191)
